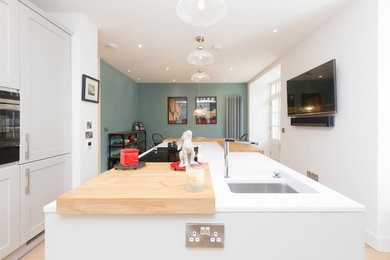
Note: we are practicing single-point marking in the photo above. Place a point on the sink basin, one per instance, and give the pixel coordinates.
(261, 188)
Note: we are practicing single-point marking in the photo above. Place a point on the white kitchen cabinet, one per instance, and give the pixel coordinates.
(45, 88)
(9, 209)
(41, 183)
(9, 43)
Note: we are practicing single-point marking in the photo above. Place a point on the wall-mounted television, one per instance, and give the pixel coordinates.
(313, 92)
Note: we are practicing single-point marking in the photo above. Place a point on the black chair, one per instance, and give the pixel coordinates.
(244, 137)
(157, 138)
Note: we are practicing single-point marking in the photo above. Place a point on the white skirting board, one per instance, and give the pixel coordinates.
(25, 248)
(381, 244)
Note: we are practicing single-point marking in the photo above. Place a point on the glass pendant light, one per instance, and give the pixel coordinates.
(200, 57)
(200, 76)
(199, 111)
(201, 13)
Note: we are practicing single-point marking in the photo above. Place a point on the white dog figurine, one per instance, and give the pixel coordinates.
(186, 148)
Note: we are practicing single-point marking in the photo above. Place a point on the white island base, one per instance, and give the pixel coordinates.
(268, 236)
(317, 224)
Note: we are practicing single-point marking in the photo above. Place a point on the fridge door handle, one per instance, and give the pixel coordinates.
(27, 188)
(27, 153)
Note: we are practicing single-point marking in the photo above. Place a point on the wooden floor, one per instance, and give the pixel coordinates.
(38, 253)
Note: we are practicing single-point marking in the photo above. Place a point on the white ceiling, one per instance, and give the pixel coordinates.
(246, 35)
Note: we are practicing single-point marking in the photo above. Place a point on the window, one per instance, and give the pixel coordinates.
(275, 110)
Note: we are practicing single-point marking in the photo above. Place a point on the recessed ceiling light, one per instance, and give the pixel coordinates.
(112, 46)
(129, 71)
(224, 80)
(140, 45)
(217, 47)
(275, 30)
(166, 68)
(320, 76)
(231, 68)
(138, 78)
(174, 80)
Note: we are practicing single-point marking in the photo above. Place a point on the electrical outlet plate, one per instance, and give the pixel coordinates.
(312, 175)
(205, 235)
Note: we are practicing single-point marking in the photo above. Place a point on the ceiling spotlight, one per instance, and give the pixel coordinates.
(129, 71)
(217, 47)
(275, 30)
(200, 76)
(112, 46)
(231, 68)
(174, 80)
(167, 68)
(139, 78)
(200, 57)
(201, 12)
(139, 45)
(224, 80)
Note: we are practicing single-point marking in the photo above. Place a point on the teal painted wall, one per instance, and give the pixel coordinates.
(153, 107)
(118, 108)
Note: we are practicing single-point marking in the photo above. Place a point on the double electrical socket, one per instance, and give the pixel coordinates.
(205, 235)
(312, 175)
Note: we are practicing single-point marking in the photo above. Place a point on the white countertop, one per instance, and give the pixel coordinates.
(254, 167)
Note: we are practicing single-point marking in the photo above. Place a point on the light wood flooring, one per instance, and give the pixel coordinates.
(38, 253)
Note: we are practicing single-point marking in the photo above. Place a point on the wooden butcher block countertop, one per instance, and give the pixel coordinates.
(233, 147)
(153, 189)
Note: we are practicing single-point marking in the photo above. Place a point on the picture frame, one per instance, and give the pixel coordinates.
(209, 104)
(90, 89)
(138, 126)
(177, 110)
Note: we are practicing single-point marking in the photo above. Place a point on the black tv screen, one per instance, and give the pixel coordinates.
(313, 92)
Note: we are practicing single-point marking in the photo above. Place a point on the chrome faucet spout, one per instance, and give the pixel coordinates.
(226, 155)
(226, 152)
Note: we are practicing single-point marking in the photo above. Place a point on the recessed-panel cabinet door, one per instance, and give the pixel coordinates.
(45, 88)
(9, 209)
(9, 43)
(41, 183)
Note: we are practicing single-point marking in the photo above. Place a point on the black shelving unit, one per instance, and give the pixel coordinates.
(121, 140)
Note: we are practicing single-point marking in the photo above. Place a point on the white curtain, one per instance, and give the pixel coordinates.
(234, 117)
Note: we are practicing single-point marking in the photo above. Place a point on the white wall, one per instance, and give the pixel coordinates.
(259, 122)
(345, 156)
(383, 140)
(85, 161)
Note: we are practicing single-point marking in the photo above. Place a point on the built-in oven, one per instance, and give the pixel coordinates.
(9, 125)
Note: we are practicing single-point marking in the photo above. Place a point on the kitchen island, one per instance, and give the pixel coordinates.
(313, 223)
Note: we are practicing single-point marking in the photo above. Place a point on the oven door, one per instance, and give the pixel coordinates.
(9, 126)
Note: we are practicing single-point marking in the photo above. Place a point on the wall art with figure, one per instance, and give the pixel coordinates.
(177, 110)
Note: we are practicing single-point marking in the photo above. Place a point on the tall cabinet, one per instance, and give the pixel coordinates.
(44, 118)
(9, 174)
(34, 58)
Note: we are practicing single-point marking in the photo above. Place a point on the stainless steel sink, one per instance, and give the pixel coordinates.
(260, 188)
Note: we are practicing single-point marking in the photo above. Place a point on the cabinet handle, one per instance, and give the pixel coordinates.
(27, 188)
(27, 153)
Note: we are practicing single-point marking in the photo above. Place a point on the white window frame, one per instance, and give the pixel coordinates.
(275, 110)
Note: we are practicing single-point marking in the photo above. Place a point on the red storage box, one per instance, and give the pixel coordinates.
(129, 157)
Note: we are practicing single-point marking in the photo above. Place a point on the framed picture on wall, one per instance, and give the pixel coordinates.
(177, 110)
(90, 89)
(208, 108)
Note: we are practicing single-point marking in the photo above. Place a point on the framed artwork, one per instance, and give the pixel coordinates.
(177, 110)
(90, 89)
(209, 104)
